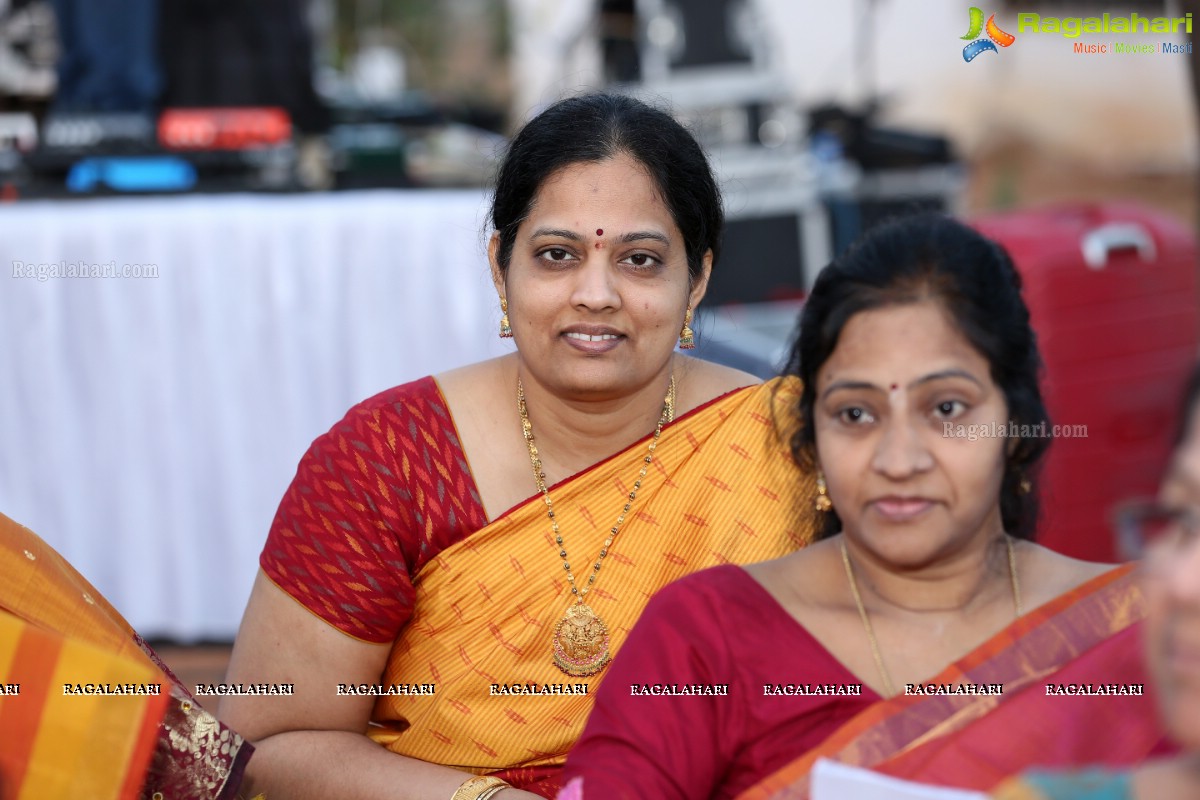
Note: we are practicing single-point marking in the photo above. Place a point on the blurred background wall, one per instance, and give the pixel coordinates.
(1033, 123)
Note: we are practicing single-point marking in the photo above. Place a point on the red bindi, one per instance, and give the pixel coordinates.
(599, 231)
(895, 387)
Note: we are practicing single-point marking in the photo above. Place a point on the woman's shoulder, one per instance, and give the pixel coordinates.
(800, 581)
(708, 599)
(702, 585)
(391, 414)
(719, 609)
(478, 380)
(1051, 574)
(424, 388)
(702, 381)
(759, 594)
(394, 401)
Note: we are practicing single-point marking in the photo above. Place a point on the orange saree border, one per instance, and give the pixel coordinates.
(1038, 644)
(722, 489)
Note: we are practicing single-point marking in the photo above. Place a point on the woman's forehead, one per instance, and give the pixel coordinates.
(902, 343)
(616, 195)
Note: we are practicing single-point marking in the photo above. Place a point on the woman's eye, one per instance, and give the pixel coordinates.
(643, 260)
(949, 409)
(855, 416)
(555, 254)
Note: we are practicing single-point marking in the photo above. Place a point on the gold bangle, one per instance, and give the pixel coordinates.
(480, 787)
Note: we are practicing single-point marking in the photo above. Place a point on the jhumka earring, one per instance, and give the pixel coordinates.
(687, 339)
(822, 502)
(505, 328)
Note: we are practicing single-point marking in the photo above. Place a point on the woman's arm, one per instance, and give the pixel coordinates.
(313, 743)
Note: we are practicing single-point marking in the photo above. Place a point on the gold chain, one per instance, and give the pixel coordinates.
(539, 477)
(888, 687)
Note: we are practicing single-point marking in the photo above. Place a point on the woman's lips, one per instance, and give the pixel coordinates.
(593, 342)
(901, 509)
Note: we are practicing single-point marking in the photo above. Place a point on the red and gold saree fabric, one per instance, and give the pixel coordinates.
(1068, 670)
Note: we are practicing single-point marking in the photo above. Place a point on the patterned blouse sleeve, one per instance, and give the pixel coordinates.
(337, 542)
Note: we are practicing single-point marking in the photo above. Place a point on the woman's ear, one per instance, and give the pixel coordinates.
(494, 263)
(700, 283)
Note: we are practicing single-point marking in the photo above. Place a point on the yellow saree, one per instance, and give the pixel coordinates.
(95, 714)
(722, 488)
(54, 745)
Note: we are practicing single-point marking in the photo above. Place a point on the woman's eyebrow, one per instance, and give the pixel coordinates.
(933, 376)
(840, 385)
(947, 373)
(557, 232)
(637, 236)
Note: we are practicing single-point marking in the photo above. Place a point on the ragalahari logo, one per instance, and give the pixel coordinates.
(995, 36)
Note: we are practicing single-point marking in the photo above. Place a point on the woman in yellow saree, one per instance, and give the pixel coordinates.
(86, 707)
(924, 634)
(458, 560)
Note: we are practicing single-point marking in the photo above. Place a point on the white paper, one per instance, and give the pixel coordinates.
(834, 781)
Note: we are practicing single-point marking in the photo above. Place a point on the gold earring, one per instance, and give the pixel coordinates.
(505, 328)
(822, 502)
(687, 339)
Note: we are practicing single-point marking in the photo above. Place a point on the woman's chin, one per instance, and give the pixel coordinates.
(898, 551)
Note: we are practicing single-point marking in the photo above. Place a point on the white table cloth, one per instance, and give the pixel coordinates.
(149, 426)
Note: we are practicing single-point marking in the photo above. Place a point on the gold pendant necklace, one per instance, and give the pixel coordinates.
(884, 675)
(580, 642)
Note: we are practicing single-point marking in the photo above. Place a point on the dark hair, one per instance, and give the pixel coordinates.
(929, 256)
(1191, 396)
(596, 127)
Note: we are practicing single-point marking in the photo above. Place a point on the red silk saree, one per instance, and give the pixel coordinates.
(788, 702)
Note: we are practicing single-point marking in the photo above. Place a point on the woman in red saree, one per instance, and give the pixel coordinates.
(925, 634)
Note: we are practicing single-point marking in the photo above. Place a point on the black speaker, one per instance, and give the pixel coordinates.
(762, 259)
(259, 53)
(713, 33)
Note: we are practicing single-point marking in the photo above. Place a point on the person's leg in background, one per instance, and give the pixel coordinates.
(109, 59)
